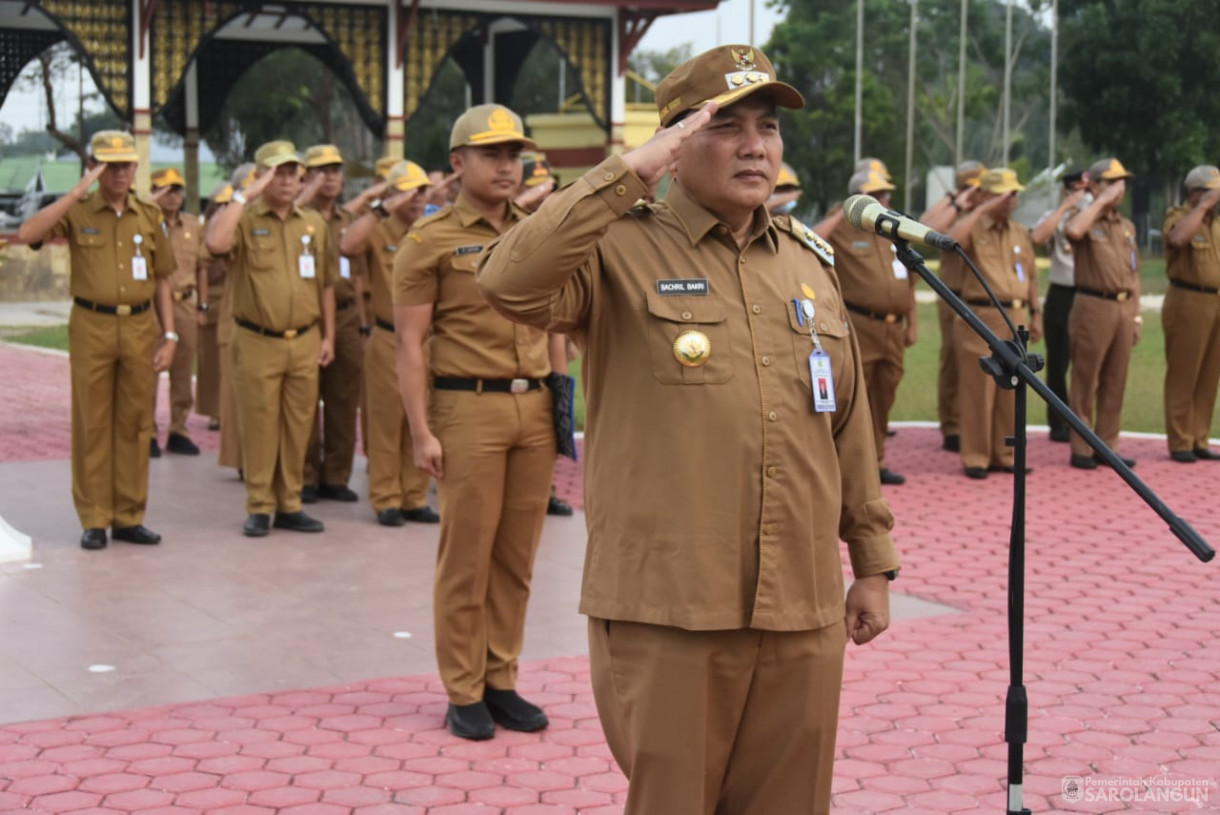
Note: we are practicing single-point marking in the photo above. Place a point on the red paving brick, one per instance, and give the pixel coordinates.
(1121, 668)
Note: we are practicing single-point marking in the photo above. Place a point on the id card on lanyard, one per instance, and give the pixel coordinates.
(306, 263)
(139, 264)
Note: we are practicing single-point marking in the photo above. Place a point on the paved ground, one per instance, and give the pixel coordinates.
(282, 679)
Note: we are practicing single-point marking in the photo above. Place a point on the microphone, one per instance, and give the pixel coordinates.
(867, 213)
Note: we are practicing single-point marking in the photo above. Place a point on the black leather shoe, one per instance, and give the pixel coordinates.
(154, 449)
(560, 507)
(421, 515)
(391, 517)
(1203, 454)
(1083, 462)
(472, 722)
(1184, 456)
(952, 443)
(298, 522)
(309, 494)
(258, 525)
(977, 473)
(1130, 462)
(135, 534)
(338, 492)
(511, 712)
(180, 444)
(94, 538)
(1060, 434)
(890, 477)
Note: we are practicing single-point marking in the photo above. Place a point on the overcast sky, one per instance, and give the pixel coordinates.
(706, 29)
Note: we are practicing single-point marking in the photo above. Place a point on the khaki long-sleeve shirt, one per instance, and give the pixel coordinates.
(1197, 264)
(1005, 255)
(1107, 258)
(865, 264)
(716, 496)
(185, 234)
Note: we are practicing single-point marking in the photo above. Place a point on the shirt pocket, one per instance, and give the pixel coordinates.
(90, 244)
(832, 333)
(264, 254)
(669, 318)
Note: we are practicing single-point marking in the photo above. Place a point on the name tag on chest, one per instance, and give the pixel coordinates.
(468, 250)
(683, 286)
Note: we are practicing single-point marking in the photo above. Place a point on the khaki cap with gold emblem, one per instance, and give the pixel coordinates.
(275, 153)
(113, 145)
(223, 193)
(968, 173)
(407, 175)
(726, 74)
(874, 164)
(322, 155)
(243, 176)
(1109, 169)
(168, 177)
(384, 165)
(1203, 177)
(488, 124)
(536, 169)
(868, 182)
(787, 176)
(999, 181)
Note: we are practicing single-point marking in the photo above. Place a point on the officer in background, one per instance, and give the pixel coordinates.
(210, 295)
(713, 582)
(487, 436)
(167, 190)
(1004, 254)
(121, 262)
(941, 216)
(1058, 304)
(229, 453)
(398, 490)
(880, 296)
(328, 462)
(1191, 316)
(282, 272)
(1105, 323)
(787, 191)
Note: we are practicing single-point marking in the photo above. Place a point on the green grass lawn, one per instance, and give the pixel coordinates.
(55, 337)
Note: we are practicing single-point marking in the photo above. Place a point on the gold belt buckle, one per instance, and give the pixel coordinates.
(1018, 304)
(122, 311)
(290, 333)
(891, 318)
(1123, 296)
(519, 386)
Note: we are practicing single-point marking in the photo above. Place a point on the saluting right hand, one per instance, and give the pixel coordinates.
(652, 159)
(429, 457)
(1113, 192)
(1074, 200)
(1210, 199)
(92, 175)
(258, 185)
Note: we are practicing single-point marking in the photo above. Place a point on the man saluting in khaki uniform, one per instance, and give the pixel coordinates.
(730, 447)
(121, 260)
(282, 274)
(487, 435)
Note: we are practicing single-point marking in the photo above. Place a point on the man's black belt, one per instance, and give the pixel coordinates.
(1003, 303)
(1182, 284)
(121, 311)
(383, 324)
(1120, 296)
(267, 332)
(876, 315)
(342, 304)
(458, 383)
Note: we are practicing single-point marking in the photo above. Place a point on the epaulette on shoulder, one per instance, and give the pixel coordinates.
(440, 215)
(811, 240)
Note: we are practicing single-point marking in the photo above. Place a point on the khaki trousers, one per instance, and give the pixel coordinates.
(499, 452)
(181, 399)
(1101, 334)
(394, 481)
(330, 460)
(719, 722)
(946, 372)
(110, 360)
(986, 413)
(1192, 366)
(277, 394)
(229, 454)
(207, 376)
(881, 353)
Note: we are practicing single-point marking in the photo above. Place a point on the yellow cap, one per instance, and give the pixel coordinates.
(787, 176)
(1108, 169)
(169, 177)
(1203, 177)
(726, 74)
(322, 155)
(488, 124)
(113, 145)
(407, 175)
(1000, 181)
(384, 165)
(536, 169)
(968, 173)
(243, 176)
(223, 194)
(275, 153)
(873, 164)
(868, 182)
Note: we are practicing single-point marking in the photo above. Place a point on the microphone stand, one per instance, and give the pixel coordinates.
(1013, 368)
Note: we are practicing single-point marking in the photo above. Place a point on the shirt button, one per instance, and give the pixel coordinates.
(621, 189)
(722, 230)
(767, 529)
(773, 416)
(608, 176)
(756, 309)
(686, 315)
(766, 361)
(771, 471)
(741, 261)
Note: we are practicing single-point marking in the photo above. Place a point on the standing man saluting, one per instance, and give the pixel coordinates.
(487, 436)
(121, 261)
(730, 448)
(283, 269)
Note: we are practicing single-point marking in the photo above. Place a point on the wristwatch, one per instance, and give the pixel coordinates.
(204, 307)
(171, 336)
(892, 574)
(366, 330)
(378, 206)
(238, 198)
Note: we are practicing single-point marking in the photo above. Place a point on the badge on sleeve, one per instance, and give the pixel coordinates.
(306, 262)
(823, 379)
